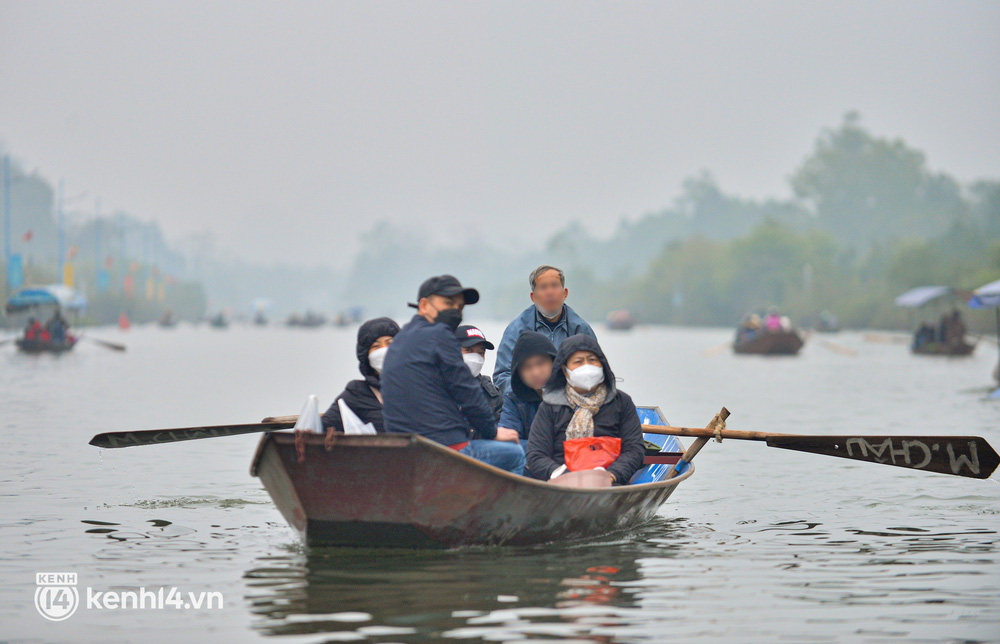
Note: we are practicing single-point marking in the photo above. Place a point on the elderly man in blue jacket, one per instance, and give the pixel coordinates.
(427, 388)
(548, 315)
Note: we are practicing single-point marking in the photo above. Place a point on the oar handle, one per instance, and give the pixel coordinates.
(681, 466)
(708, 432)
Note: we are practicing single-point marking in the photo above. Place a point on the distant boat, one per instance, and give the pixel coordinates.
(309, 320)
(168, 320)
(260, 319)
(620, 320)
(219, 321)
(828, 323)
(46, 346)
(44, 302)
(945, 338)
(770, 343)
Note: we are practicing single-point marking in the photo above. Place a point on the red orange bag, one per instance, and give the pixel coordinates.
(589, 453)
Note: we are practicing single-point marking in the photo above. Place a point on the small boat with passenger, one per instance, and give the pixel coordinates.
(404, 491)
(46, 330)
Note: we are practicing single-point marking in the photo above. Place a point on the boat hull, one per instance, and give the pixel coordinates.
(404, 491)
(773, 343)
(38, 346)
(943, 349)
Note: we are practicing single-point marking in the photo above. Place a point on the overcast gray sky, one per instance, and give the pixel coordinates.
(289, 128)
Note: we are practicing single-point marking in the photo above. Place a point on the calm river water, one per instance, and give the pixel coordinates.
(760, 545)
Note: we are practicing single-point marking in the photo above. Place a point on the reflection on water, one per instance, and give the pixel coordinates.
(472, 593)
(636, 587)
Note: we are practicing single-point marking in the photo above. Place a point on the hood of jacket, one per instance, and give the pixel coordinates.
(369, 332)
(529, 343)
(555, 389)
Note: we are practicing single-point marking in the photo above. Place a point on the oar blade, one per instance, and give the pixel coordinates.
(113, 440)
(969, 456)
(114, 346)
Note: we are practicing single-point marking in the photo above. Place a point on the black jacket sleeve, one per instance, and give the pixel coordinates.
(541, 443)
(493, 396)
(464, 388)
(633, 448)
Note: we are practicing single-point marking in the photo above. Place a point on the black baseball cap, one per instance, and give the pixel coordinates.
(448, 286)
(470, 336)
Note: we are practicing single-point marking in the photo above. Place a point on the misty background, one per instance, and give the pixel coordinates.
(686, 161)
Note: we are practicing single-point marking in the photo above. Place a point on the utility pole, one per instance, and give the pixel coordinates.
(62, 233)
(97, 245)
(6, 226)
(122, 269)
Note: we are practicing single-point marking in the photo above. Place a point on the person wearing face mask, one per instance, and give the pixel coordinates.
(581, 401)
(548, 314)
(364, 396)
(474, 346)
(531, 368)
(429, 389)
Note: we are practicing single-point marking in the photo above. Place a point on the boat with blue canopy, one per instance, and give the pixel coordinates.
(987, 296)
(46, 301)
(944, 339)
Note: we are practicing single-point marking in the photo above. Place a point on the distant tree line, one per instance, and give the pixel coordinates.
(867, 221)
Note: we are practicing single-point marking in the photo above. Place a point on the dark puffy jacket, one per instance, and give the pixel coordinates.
(520, 403)
(616, 418)
(359, 394)
(428, 388)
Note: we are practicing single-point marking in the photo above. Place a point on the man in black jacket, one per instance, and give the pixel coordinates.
(364, 397)
(429, 390)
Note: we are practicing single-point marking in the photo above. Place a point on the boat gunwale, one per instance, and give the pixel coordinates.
(405, 441)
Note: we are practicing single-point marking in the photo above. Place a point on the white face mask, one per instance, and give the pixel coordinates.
(474, 362)
(585, 377)
(377, 358)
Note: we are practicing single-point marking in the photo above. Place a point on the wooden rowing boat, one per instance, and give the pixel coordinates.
(771, 343)
(404, 491)
(41, 346)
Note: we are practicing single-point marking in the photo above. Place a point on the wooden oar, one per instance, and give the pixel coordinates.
(717, 349)
(112, 440)
(838, 348)
(969, 456)
(104, 343)
(887, 338)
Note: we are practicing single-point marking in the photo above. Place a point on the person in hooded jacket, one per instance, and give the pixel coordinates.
(580, 400)
(364, 396)
(531, 368)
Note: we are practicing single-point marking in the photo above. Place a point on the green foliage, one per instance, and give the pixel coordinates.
(865, 189)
